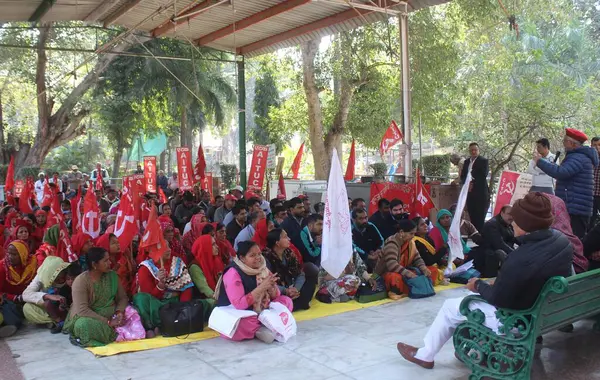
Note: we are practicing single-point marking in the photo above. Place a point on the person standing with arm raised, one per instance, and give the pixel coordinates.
(478, 200)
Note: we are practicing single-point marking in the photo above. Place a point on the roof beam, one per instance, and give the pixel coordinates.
(41, 10)
(263, 15)
(171, 23)
(100, 10)
(303, 29)
(126, 7)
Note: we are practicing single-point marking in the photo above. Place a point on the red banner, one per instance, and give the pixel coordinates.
(390, 191)
(19, 186)
(392, 136)
(256, 178)
(511, 187)
(207, 183)
(150, 173)
(184, 168)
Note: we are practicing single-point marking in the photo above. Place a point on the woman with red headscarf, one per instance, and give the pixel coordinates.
(190, 237)
(226, 250)
(174, 243)
(206, 255)
(262, 229)
(22, 231)
(120, 262)
(39, 228)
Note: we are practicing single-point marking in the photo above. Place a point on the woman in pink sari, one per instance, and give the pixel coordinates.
(562, 223)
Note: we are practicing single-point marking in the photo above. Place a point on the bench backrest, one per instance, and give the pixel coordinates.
(566, 300)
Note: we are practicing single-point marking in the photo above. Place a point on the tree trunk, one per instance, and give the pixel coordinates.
(63, 126)
(315, 115)
(4, 154)
(118, 155)
(162, 159)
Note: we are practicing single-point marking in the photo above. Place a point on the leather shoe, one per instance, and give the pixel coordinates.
(409, 352)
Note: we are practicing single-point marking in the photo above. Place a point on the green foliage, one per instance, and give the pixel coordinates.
(229, 175)
(437, 166)
(379, 170)
(28, 171)
(83, 152)
(3, 170)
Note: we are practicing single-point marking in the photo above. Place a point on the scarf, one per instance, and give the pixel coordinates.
(174, 244)
(226, 250)
(78, 241)
(50, 269)
(430, 248)
(178, 277)
(52, 235)
(212, 265)
(260, 234)
(190, 237)
(260, 273)
(28, 262)
(444, 233)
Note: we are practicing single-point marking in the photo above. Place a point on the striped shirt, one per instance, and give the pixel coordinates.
(390, 262)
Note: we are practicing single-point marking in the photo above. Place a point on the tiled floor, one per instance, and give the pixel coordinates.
(357, 345)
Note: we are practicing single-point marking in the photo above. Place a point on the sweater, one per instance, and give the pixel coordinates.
(543, 254)
(574, 179)
(390, 262)
(366, 240)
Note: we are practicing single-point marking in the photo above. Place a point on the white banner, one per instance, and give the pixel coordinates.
(272, 157)
(336, 250)
(454, 237)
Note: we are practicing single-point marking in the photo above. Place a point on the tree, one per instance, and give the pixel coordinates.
(267, 98)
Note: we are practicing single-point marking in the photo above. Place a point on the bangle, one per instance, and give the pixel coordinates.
(159, 288)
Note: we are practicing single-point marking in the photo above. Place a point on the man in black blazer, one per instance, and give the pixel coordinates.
(478, 200)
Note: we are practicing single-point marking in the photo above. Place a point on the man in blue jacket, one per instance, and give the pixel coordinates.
(574, 178)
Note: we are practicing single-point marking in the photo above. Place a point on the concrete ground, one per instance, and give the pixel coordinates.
(356, 345)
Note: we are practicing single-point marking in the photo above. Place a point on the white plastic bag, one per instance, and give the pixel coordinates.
(225, 319)
(280, 321)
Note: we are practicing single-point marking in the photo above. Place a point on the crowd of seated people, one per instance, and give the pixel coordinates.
(274, 249)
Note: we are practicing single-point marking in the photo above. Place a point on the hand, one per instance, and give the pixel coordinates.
(470, 186)
(458, 262)
(55, 298)
(113, 322)
(426, 271)
(162, 275)
(373, 284)
(118, 318)
(350, 268)
(536, 157)
(471, 285)
(410, 274)
(319, 239)
(292, 292)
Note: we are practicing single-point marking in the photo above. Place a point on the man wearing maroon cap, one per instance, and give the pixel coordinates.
(222, 211)
(574, 178)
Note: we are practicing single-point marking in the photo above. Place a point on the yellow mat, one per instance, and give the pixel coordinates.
(317, 310)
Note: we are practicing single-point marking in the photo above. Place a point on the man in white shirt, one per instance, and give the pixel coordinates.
(39, 188)
(542, 182)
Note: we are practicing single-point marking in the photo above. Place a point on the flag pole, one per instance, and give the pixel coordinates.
(421, 148)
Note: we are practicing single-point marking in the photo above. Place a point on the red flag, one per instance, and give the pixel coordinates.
(153, 240)
(90, 223)
(297, 161)
(392, 136)
(9, 183)
(48, 197)
(65, 247)
(351, 163)
(125, 225)
(99, 180)
(200, 167)
(25, 198)
(281, 188)
(422, 202)
(76, 213)
(162, 198)
(184, 168)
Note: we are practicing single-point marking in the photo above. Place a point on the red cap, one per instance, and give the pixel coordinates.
(230, 197)
(576, 135)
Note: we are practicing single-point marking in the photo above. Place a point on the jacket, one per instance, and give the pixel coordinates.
(386, 224)
(292, 227)
(574, 179)
(479, 172)
(311, 252)
(367, 240)
(543, 254)
(497, 234)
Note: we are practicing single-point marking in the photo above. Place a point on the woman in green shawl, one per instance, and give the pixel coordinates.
(44, 303)
(51, 246)
(439, 234)
(98, 303)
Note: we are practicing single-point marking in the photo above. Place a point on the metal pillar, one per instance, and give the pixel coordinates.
(403, 22)
(242, 119)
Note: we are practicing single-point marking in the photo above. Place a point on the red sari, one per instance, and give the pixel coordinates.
(190, 237)
(260, 234)
(212, 265)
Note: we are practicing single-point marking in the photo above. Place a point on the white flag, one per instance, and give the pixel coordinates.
(454, 237)
(336, 250)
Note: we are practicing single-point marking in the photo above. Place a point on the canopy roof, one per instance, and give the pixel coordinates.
(247, 27)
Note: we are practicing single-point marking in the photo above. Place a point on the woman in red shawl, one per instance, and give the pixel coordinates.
(174, 243)
(262, 229)
(120, 262)
(190, 237)
(22, 231)
(206, 254)
(226, 250)
(39, 228)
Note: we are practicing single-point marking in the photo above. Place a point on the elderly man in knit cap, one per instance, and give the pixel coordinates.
(544, 253)
(574, 178)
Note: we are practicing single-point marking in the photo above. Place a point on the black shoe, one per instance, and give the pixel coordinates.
(76, 342)
(57, 328)
(567, 328)
(539, 340)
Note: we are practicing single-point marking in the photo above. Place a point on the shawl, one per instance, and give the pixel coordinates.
(28, 262)
(50, 269)
(78, 241)
(178, 278)
(287, 272)
(430, 248)
(212, 265)
(189, 238)
(443, 232)
(260, 234)
(10, 216)
(562, 223)
(174, 244)
(52, 235)
(104, 242)
(20, 223)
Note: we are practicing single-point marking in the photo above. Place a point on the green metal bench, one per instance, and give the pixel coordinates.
(510, 356)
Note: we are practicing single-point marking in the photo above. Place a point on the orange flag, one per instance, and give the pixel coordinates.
(162, 198)
(153, 240)
(351, 163)
(9, 183)
(297, 161)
